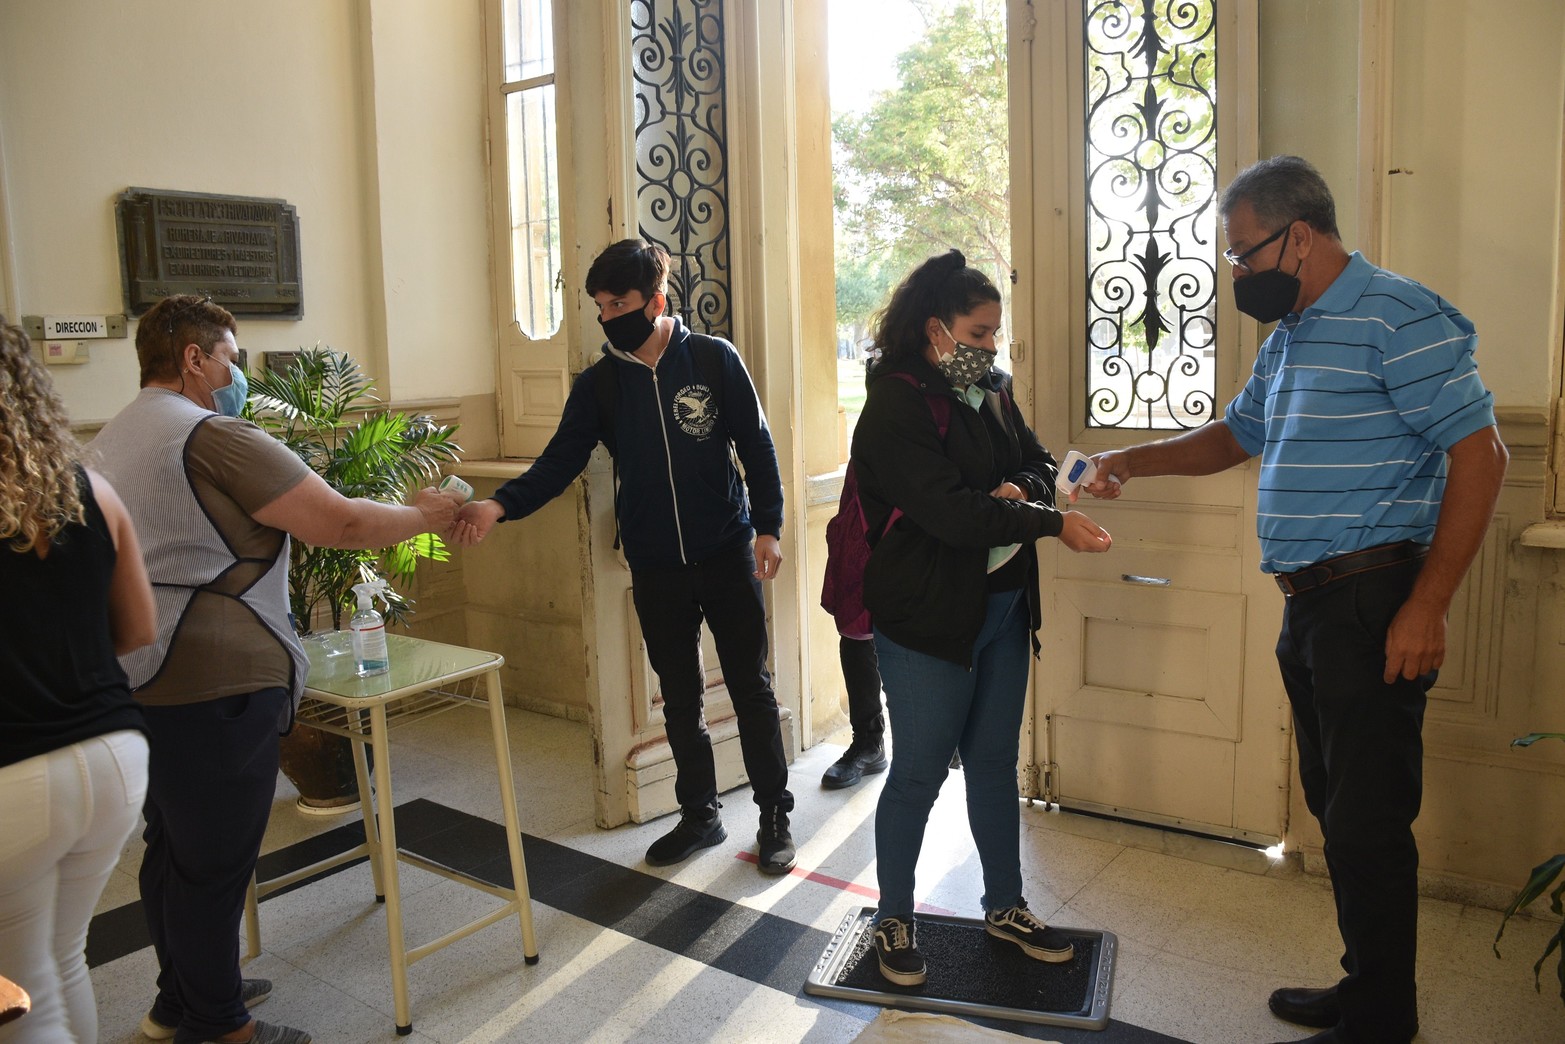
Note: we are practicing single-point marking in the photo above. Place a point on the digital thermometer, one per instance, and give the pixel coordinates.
(1076, 470)
(452, 484)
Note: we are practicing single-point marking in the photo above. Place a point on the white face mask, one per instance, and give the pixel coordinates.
(965, 364)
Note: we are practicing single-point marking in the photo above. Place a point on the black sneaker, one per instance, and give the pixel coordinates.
(855, 763)
(774, 845)
(693, 833)
(1036, 939)
(896, 948)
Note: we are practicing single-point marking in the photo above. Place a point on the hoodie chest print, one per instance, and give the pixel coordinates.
(694, 410)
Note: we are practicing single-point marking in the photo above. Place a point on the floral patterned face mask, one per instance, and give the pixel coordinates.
(966, 364)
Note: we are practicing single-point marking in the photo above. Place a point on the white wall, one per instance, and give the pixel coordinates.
(347, 109)
(1476, 126)
(1475, 99)
(431, 173)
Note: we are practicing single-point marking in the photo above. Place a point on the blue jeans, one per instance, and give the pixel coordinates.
(937, 708)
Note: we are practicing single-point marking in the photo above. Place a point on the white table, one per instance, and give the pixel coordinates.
(422, 681)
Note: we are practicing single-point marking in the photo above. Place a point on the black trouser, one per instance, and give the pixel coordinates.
(671, 603)
(211, 777)
(1361, 764)
(861, 675)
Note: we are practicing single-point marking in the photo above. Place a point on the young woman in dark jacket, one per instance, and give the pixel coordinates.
(952, 585)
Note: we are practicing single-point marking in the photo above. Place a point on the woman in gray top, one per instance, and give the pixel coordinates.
(217, 501)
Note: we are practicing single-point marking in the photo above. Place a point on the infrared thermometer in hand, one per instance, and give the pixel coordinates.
(452, 484)
(1076, 470)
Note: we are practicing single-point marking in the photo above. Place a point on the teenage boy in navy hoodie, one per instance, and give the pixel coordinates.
(687, 519)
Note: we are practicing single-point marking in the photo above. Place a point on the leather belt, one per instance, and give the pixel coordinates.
(1324, 572)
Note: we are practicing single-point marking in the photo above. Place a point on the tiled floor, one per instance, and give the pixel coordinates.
(1206, 930)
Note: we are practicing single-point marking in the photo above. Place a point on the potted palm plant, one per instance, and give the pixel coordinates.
(322, 408)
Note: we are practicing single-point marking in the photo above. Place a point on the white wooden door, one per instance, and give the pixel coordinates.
(1157, 697)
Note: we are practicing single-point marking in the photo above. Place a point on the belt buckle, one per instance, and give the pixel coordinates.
(1312, 576)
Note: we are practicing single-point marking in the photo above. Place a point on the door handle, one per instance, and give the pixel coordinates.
(1146, 581)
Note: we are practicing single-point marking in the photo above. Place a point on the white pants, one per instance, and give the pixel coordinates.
(64, 817)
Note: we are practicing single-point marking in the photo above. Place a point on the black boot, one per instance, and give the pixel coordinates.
(858, 761)
(696, 830)
(774, 843)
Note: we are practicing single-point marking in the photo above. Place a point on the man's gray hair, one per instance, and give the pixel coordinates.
(1280, 190)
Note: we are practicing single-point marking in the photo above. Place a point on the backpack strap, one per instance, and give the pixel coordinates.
(939, 402)
(605, 384)
(605, 387)
(940, 409)
(710, 364)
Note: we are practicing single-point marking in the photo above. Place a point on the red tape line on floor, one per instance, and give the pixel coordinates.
(845, 886)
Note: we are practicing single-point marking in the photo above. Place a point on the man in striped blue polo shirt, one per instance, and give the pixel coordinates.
(1380, 469)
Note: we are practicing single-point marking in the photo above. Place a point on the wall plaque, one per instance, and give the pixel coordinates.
(242, 251)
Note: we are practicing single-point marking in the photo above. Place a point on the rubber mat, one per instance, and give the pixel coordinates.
(973, 973)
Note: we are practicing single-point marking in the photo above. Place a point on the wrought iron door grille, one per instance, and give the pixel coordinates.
(682, 152)
(1151, 183)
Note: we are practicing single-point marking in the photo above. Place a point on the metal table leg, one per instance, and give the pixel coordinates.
(388, 865)
(513, 835)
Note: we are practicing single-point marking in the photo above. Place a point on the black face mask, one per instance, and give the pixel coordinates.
(629, 331)
(1270, 295)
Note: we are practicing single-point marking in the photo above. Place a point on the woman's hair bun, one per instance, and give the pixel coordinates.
(952, 262)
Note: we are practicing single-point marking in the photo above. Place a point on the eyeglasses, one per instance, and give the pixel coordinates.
(185, 309)
(1238, 260)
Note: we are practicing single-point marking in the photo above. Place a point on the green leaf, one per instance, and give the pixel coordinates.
(1542, 876)
(1537, 969)
(1533, 737)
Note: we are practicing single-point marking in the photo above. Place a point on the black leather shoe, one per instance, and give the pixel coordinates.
(1317, 1008)
(693, 833)
(856, 763)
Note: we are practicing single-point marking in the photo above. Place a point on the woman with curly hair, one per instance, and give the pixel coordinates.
(956, 490)
(73, 749)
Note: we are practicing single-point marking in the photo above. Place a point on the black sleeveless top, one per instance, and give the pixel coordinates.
(60, 682)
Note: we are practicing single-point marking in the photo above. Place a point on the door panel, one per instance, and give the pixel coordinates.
(1158, 697)
(1123, 780)
(1149, 657)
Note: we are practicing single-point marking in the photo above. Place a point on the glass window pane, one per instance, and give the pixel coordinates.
(1151, 213)
(529, 39)
(920, 119)
(535, 210)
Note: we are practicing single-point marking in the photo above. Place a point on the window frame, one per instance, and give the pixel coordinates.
(532, 374)
(499, 91)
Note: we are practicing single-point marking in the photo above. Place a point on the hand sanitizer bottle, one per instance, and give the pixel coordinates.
(369, 632)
